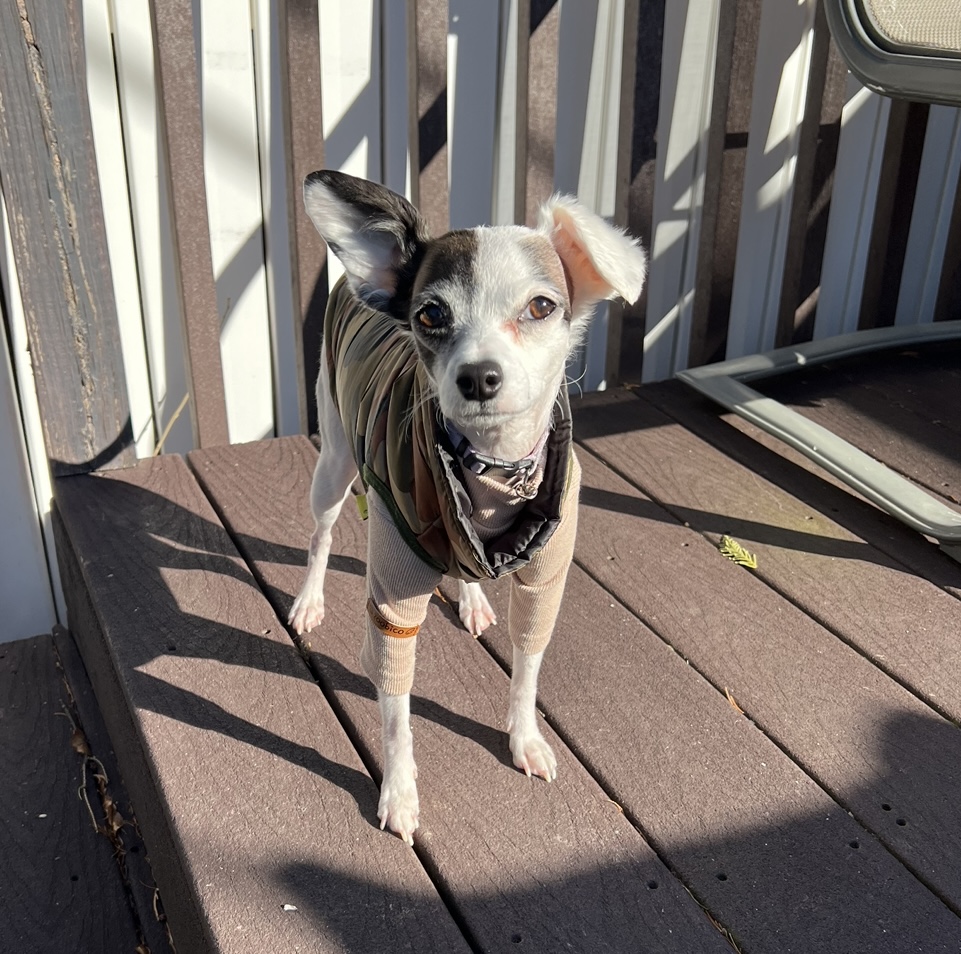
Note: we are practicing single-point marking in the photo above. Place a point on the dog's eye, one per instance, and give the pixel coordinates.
(431, 316)
(540, 308)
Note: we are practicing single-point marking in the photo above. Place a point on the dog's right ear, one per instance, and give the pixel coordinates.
(378, 236)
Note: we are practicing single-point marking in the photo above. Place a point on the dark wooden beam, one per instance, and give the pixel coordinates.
(813, 182)
(948, 305)
(646, 59)
(304, 132)
(622, 179)
(734, 70)
(48, 174)
(427, 56)
(175, 57)
(897, 185)
(537, 175)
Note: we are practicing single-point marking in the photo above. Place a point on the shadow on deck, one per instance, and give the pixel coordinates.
(762, 759)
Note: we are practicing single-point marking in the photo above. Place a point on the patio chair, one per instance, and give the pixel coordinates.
(905, 49)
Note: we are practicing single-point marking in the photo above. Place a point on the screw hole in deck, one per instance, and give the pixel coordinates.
(652, 885)
(516, 939)
(855, 844)
(902, 822)
(886, 807)
(721, 876)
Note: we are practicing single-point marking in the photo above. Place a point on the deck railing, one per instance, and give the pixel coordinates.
(780, 200)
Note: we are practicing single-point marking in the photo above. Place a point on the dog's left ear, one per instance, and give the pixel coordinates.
(601, 261)
(378, 236)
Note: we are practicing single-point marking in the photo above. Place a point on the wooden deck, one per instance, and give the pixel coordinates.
(75, 876)
(761, 759)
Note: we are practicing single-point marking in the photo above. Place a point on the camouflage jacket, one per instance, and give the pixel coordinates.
(404, 453)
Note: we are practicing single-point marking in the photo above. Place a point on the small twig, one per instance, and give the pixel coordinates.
(82, 791)
(173, 420)
(732, 700)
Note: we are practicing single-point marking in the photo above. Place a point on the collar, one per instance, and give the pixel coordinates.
(478, 463)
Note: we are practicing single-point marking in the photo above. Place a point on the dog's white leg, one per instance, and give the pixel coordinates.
(531, 753)
(327, 495)
(399, 587)
(329, 489)
(475, 612)
(399, 808)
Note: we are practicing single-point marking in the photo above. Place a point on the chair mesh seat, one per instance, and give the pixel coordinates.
(932, 26)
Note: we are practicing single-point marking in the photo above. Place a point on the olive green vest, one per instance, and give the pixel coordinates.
(404, 453)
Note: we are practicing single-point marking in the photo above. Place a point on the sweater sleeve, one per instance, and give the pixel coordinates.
(399, 587)
(537, 589)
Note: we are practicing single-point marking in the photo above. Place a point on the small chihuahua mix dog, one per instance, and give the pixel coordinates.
(442, 381)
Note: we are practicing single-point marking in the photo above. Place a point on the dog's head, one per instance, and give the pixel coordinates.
(494, 312)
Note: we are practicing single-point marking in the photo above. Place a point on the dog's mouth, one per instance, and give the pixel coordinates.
(480, 414)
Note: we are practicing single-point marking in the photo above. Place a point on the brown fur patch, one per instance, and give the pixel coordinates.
(541, 253)
(450, 257)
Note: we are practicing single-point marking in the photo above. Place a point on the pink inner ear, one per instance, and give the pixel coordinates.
(583, 279)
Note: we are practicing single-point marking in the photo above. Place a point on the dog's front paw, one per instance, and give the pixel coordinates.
(533, 755)
(474, 610)
(399, 808)
(307, 612)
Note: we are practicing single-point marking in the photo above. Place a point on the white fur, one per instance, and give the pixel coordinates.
(490, 326)
(399, 807)
(474, 610)
(604, 261)
(491, 321)
(531, 753)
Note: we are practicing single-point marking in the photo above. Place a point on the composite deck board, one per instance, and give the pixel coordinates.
(925, 382)
(900, 620)
(882, 753)
(526, 865)
(140, 882)
(918, 437)
(760, 844)
(247, 789)
(60, 888)
(766, 456)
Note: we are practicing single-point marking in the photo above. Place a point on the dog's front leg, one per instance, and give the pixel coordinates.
(531, 753)
(329, 488)
(536, 593)
(399, 587)
(399, 807)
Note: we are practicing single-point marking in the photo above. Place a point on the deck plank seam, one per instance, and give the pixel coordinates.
(118, 850)
(759, 726)
(927, 486)
(795, 760)
(99, 659)
(608, 790)
(891, 552)
(330, 696)
(424, 857)
(761, 575)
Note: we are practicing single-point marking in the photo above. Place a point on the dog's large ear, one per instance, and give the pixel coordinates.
(377, 235)
(601, 261)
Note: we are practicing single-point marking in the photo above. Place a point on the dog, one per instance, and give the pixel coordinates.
(443, 382)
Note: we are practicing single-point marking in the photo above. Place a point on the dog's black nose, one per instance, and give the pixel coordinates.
(479, 382)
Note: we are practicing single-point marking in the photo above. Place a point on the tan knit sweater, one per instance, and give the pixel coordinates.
(399, 584)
